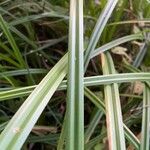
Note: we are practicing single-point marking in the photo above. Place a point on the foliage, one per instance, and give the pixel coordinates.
(74, 74)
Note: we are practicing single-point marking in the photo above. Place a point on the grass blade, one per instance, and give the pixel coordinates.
(49, 44)
(95, 120)
(22, 72)
(140, 55)
(4, 47)
(75, 92)
(9, 60)
(113, 108)
(145, 136)
(88, 81)
(62, 135)
(35, 17)
(43, 96)
(116, 43)
(94, 141)
(99, 27)
(12, 42)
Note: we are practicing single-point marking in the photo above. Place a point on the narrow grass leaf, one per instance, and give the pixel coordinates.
(140, 56)
(25, 19)
(12, 42)
(49, 44)
(62, 136)
(9, 60)
(23, 37)
(75, 89)
(131, 138)
(22, 72)
(91, 127)
(95, 141)
(43, 138)
(116, 42)
(99, 27)
(30, 121)
(6, 49)
(145, 134)
(113, 108)
(88, 81)
(144, 20)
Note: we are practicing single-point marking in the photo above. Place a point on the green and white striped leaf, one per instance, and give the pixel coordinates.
(75, 89)
(98, 29)
(88, 81)
(115, 132)
(145, 134)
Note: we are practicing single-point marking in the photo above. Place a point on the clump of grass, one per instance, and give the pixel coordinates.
(54, 112)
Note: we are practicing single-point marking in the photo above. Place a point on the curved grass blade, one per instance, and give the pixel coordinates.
(133, 69)
(16, 93)
(113, 108)
(3, 11)
(88, 81)
(116, 43)
(145, 134)
(99, 27)
(117, 16)
(4, 2)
